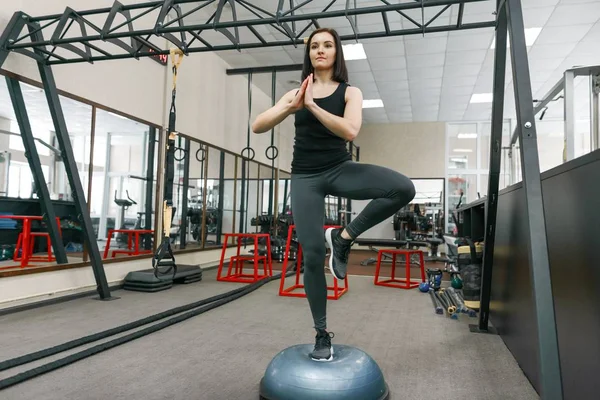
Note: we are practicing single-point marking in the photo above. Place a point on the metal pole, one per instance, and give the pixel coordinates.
(64, 141)
(549, 360)
(221, 197)
(494, 170)
(569, 102)
(148, 208)
(272, 181)
(594, 111)
(184, 200)
(103, 225)
(48, 214)
(243, 195)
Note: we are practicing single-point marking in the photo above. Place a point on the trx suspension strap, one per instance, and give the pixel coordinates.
(163, 261)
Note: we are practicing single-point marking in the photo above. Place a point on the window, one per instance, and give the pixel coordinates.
(468, 162)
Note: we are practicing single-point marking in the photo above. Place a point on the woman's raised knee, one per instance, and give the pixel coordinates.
(404, 190)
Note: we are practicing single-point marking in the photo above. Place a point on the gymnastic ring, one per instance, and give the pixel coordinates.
(175, 152)
(249, 150)
(274, 152)
(201, 149)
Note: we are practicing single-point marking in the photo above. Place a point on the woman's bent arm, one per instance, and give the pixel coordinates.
(348, 126)
(289, 103)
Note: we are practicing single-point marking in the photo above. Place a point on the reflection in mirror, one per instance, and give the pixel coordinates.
(267, 189)
(284, 193)
(212, 188)
(119, 203)
(424, 216)
(181, 185)
(111, 153)
(252, 197)
(421, 219)
(18, 194)
(230, 199)
(192, 224)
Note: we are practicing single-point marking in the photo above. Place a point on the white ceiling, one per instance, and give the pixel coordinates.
(429, 78)
(432, 78)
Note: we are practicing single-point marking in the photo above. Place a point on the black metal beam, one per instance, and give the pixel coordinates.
(10, 34)
(221, 197)
(549, 362)
(64, 141)
(494, 170)
(243, 203)
(277, 20)
(267, 69)
(48, 214)
(242, 46)
(274, 156)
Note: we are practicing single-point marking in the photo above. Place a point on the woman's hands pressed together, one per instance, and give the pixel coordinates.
(309, 100)
(304, 96)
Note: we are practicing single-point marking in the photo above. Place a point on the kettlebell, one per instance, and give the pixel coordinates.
(456, 282)
(424, 287)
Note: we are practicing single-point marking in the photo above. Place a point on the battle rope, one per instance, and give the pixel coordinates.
(164, 254)
(193, 309)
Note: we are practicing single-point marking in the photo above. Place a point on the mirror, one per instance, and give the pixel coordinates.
(116, 164)
(194, 201)
(284, 193)
(423, 217)
(231, 196)
(211, 220)
(180, 188)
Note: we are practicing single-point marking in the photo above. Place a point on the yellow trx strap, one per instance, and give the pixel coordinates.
(176, 59)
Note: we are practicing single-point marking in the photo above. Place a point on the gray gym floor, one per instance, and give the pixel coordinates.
(223, 353)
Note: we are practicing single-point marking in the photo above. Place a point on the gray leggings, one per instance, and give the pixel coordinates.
(389, 190)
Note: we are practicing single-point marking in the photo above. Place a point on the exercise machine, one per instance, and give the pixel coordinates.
(124, 204)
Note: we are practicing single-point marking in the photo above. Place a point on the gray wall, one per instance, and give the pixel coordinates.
(571, 194)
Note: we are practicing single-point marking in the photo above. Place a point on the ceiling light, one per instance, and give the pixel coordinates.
(354, 51)
(462, 150)
(467, 136)
(458, 160)
(482, 98)
(531, 35)
(377, 103)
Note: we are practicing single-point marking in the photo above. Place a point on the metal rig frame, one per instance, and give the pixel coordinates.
(566, 86)
(136, 43)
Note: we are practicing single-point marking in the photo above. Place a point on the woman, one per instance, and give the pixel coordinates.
(328, 114)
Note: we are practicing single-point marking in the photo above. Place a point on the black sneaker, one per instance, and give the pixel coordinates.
(340, 250)
(323, 350)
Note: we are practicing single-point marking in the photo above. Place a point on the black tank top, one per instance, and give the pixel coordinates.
(316, 148)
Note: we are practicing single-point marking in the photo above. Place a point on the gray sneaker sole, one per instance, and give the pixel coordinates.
(324, 359)
(329, 240)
